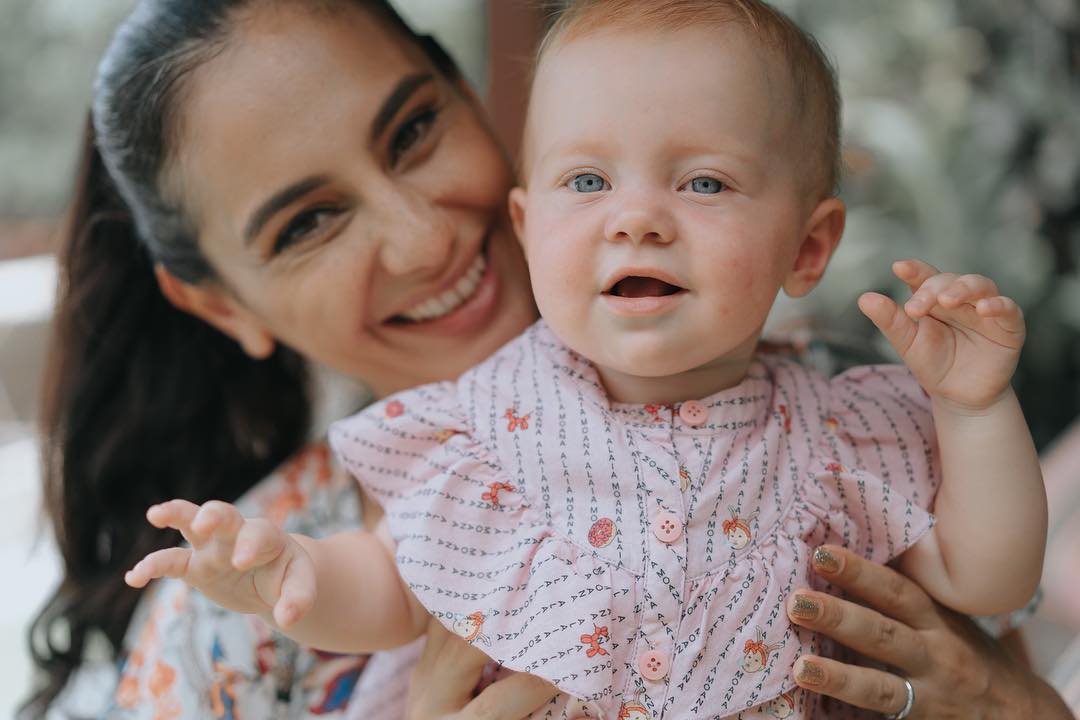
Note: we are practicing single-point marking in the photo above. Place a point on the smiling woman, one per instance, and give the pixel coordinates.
(267, 184)
(389, 203)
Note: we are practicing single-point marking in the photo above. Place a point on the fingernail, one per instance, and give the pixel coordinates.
(826, 562)
(805, 608)
(810, 674)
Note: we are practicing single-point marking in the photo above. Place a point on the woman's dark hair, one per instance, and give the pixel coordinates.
(143, 402)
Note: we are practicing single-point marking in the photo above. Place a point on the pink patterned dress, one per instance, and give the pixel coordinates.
(639, 557)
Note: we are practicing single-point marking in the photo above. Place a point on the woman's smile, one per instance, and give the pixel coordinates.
(461, 303)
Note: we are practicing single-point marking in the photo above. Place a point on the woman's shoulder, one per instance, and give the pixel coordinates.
(309, 493)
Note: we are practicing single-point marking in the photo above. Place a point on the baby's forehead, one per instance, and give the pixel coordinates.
(798, 76)
(581, 74)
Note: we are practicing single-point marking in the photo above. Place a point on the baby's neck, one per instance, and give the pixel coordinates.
(692, 384)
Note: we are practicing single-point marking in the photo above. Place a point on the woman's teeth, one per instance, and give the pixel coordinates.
(453, 298)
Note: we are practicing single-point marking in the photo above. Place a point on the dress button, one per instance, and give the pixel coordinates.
(653, 665)
(667, 527)
(693, 413)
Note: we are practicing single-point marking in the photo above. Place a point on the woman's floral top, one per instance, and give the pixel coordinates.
(189, 658)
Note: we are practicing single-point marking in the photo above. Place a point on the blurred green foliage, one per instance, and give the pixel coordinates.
(962, 146)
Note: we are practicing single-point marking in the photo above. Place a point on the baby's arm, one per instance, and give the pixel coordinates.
(341, 593)
(962, 340)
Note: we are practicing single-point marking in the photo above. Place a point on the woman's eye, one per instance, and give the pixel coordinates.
(706, 185)
(305, 225)
(410, 134)
(588, 183)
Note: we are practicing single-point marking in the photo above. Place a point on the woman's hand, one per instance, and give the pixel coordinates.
(956, 670)
(448, 671)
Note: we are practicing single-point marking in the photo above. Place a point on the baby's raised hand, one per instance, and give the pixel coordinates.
(249, 566)
(959, 337)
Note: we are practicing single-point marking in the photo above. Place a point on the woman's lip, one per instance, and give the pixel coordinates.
(472, 314)
(450, 281)
(643, 306)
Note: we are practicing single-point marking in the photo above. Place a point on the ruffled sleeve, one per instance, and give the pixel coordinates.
(877, 466)
(475, 551)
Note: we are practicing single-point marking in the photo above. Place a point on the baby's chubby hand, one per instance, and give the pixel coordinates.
(958, 336)
(245, 565)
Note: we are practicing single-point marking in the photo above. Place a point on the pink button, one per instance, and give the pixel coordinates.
(693, 413)
(653, 665)
(667, 527)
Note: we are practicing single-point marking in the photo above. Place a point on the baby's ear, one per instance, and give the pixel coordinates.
(819, 239)
(517, 213)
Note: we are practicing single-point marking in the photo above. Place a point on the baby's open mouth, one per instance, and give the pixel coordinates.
(638, 286)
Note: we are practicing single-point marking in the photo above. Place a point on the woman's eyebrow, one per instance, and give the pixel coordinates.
(389, 109)
(278, 201)
(398, 97)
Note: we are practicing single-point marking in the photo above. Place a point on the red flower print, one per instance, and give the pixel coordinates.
(602, 532)
(787, 418)
(394, 409)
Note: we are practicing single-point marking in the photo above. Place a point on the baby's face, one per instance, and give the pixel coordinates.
(662, 212)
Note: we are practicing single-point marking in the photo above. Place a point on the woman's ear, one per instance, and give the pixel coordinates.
(215, 306)
(820, 238)
(517, 213)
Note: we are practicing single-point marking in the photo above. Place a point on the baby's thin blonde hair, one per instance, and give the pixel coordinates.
(815, 96)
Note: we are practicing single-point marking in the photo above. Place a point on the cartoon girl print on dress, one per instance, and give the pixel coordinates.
(470, 627)
(783, 706)
(756, 653)
(737, 530)
(634, 710)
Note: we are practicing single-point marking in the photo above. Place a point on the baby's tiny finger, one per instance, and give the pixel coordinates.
(176, 514)
(925, 297)
(170, 562)
(297, 592)
(967, 288)
(913, 272)
(1004, 310)
(258, 542)
(219, 519)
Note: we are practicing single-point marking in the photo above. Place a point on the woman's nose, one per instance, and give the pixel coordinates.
(416, 235)
(640, 217)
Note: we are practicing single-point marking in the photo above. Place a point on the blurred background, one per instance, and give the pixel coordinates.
(962, 137)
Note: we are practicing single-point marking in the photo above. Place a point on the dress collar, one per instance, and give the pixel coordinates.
(729, 409)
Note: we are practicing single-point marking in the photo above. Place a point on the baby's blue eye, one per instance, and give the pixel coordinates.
(588, 183)
(706, 185)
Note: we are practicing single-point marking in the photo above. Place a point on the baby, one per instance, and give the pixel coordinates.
(621, 499)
